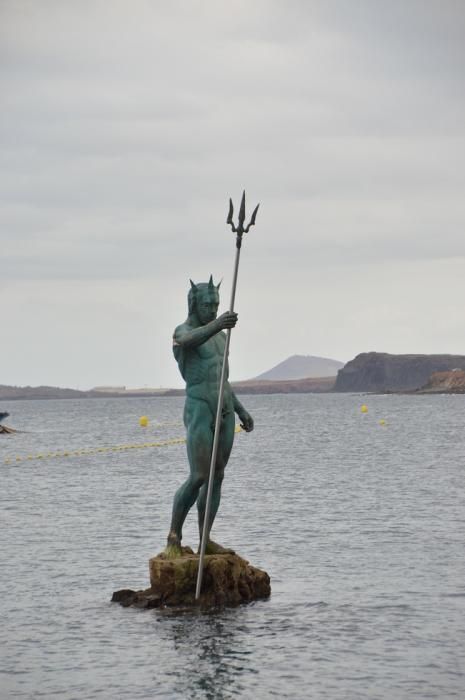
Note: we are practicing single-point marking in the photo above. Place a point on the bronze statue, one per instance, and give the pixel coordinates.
(198, 346)
(201, 349)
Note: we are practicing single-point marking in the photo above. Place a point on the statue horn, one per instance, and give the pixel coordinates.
(194, 286)
(210, 282)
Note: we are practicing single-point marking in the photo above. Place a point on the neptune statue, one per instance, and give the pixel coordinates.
(198, 346)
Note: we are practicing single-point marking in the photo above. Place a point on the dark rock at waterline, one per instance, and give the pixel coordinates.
(228, 580)
(138, 599)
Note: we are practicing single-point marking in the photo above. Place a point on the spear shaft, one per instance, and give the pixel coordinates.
(219, 410)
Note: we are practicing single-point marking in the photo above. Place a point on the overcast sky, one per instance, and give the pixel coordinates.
(127, 125)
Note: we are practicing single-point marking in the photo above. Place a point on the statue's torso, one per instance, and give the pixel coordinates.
(201, 367)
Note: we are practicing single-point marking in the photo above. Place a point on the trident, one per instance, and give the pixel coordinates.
(239, 231)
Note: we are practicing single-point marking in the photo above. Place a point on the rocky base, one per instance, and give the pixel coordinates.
(227, 580)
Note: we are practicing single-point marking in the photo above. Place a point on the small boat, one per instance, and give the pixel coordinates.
(3, 428)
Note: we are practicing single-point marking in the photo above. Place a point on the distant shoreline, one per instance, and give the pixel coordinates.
(295, 386)
(357, 377)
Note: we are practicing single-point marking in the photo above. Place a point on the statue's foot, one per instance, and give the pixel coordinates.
(173, 548)
(214, 548)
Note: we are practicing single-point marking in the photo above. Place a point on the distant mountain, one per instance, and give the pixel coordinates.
(301, 367)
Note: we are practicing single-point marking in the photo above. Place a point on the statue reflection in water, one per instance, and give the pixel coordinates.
(211, 654)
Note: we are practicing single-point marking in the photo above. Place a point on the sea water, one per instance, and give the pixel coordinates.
(359, 524)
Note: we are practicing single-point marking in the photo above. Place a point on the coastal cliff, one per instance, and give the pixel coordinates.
(380, 372)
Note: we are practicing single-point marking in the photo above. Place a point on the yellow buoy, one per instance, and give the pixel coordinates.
(143, 421)
(382, 421)
(364, 408)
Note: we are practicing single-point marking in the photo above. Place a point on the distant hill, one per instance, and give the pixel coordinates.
(301, 367)
(38, 392)
(12, 393)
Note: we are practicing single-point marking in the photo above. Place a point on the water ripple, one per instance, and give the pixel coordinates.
(360, 528)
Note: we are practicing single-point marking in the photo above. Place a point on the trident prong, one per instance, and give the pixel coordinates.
(242, 212)
(252, 220)
(229, 220)
(240, 230)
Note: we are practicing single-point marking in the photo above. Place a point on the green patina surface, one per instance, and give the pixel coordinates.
(198, 347)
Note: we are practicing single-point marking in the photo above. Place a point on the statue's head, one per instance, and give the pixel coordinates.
(203, 300)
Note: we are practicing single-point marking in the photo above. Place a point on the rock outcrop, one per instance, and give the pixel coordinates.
(228, 580)
(445, 383)
(380, 372)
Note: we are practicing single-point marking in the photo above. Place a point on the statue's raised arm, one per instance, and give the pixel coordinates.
(202, 323)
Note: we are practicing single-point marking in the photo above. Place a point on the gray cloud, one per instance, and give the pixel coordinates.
(126, 127)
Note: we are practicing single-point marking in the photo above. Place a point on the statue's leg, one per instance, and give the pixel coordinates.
(199, 441)
(224, 450)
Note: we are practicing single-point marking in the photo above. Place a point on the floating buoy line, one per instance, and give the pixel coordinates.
(99, 450)
(364, 409)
